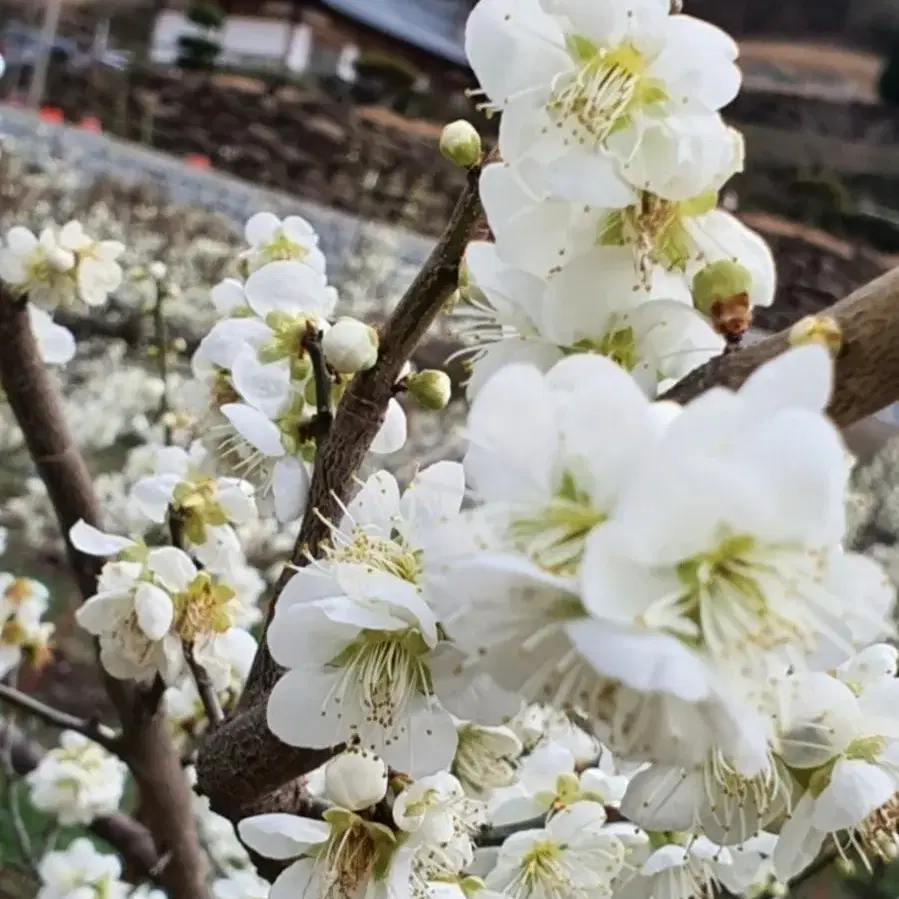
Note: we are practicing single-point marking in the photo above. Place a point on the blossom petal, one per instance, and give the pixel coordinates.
(88, 539)
(290, 486)
(154, 611)
(259, 431)
(855, 790)
(282, 836)
(56, 344)
(392, 435)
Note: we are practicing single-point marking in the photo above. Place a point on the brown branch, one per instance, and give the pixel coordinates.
(146, 744)
(208, 696)
(131, 840)
(867, 370)
(93, 730)
(242, 761)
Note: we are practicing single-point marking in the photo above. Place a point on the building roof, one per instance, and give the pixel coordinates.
(436, 26)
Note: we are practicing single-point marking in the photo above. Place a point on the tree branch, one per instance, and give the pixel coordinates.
(146, 744)
(242, 761)
(867, 370)
(93, 730)
(208, 696)
(131, 840)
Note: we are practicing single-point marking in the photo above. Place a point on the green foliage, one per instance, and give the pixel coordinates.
(206, 15)
(199, 52)
(888, 87)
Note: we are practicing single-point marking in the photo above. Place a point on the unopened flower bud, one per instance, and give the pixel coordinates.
(432, 388)
(460, 143)
(60, 259)
(719, 282)
(355, 779)
(822, 329)
(351, 346)
(721, 292)
(158, 270)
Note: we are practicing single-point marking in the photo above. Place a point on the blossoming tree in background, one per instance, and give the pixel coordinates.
(617, 650)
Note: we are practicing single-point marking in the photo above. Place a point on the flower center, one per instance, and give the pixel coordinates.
(197, 503)
(606, 88)
(617, 344)
(385, 670)
(355, 853)
(876, 836)
(202, 608)
(221, 390)
(388, 554)
(732, 793)
(18, 592)
(541, 872)
(744, 596)
(13, 632)
(656, 228)
(554, 537)
(282, 249)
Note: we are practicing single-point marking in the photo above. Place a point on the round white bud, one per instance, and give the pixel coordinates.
(157, 270)
(61, 259)
(460, 143)
(355, 779)
(350, 346)
(432, 388)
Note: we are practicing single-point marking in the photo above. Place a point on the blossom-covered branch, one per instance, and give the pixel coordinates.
(242, 761)
(145, 742)
(93, 730)
(867, 366)
(129, 838)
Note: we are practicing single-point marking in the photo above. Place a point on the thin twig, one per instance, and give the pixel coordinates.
(323, 415)
(93, 730)
(208, 696)
(11, 794)
(160, 328)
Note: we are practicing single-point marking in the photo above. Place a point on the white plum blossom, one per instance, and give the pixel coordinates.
(77, 781)
(272, 239)
(61, 266)
(574, 855)
(81, 872)
(602, 98)
(204, 505)
(244, 884)
(486, 758)
(338, 856)
(23, 635)
(358, 636)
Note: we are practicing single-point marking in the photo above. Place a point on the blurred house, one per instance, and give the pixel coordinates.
(324, 35)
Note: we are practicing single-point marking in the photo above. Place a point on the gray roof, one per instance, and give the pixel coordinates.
(436, 26)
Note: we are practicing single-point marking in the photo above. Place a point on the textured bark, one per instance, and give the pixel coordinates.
(147, 747)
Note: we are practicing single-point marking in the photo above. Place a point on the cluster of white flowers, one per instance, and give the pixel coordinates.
(77, 781)
(23, 635)
(61, 267)
(259, 397)
(620, 649)
(81, 872)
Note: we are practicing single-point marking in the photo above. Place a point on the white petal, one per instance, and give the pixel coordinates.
(303, 635)
(154, 611)
(56, 344)
(154, 494)
(425, 743)
(376, 506)
(286, 286)
(265, 386)
(302, 878)
(255, 428)
(172, 567)
(513, 437)
(88, 539)
(290, 486)
(392, 435)
(261, 228)
(435, 494)
(281, 836)
(802, 376)
(298, 711)
(228, 295)
(855, 790)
